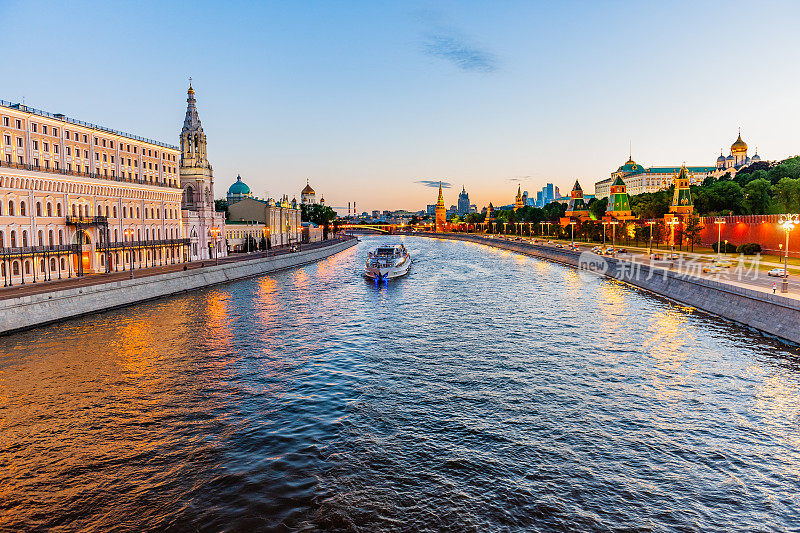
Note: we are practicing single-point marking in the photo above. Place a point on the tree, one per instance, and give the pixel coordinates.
(597, 208)
(787, 194)
(691, 231)
(414, 220)
(262, 245)
(757, 199)
(222, 206)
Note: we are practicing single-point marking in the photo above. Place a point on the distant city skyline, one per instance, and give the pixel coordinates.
(370, 101)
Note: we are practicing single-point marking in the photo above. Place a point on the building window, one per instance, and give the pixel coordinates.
(22, 209)
(95, 141)
(85, 139)
(18, 124)
(55, 148)
(5, 121)
(44, 129)
(7, 140)
(58, 210)
(35, 144)
(38, 209)
(111, 144)
(46, 147)
(33, 127)
(55, 132)
(19, 142)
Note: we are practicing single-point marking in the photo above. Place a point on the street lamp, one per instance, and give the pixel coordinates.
(651, 223)
(572, 229)
(788, 223)
(604, 233)
(129, 234)
(673, 222)
(614, 235)
(719, 221)
(214, 231)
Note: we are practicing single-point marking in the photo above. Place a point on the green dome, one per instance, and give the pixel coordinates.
(239, 188)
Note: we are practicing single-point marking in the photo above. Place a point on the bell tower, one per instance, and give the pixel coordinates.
(197, 177)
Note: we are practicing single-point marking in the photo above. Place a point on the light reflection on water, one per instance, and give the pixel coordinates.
(485, 391)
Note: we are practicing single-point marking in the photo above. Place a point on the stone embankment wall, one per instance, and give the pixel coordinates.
(38, 309)
(769, 313)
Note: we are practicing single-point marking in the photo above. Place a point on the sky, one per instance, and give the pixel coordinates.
(376, 101)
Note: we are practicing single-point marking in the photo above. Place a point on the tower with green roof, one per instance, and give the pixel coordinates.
(682, 198)
(619, 204)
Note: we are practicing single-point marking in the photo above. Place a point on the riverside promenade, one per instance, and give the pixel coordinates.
(749, 305)
(31, 305)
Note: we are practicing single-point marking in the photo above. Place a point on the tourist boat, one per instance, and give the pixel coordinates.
(387, 262)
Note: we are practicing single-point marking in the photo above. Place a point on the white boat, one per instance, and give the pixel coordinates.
(387, 262)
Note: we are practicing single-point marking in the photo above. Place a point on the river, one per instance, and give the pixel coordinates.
(485, 391)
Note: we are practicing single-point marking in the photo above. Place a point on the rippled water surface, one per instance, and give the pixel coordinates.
(484, 392)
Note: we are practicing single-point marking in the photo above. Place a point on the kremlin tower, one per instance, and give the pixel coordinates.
(441, 212)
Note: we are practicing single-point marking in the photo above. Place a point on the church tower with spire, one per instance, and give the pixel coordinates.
(441, 212)
(518, 203)
(205, 228)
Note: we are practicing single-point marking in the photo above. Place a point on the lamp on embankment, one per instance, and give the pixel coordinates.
(719, 221)
(788, 223)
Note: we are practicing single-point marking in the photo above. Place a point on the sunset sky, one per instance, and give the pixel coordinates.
(371, 99)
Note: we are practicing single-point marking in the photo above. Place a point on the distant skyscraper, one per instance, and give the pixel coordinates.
(539, 198)
(463, 202)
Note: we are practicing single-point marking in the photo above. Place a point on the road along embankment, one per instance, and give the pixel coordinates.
(772, 314)
(43, 308)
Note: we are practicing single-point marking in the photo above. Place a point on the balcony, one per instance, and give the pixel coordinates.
(65, 172)
(86, 221)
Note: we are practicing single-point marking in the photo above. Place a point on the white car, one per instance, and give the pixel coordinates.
(777, 272)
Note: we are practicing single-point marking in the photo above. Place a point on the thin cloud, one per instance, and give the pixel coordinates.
(435, 184)
(459, 51)
(519, 178)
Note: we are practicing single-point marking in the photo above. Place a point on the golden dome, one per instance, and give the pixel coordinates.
(739, 145)
(307, 189)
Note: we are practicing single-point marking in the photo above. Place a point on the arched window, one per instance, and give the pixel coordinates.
(115, 211)
(50, 238)
(10, 208)
(73, 210)
(13, 239)
(138, 215)
(63, 266)
(106, 211)
(61, 236)
(24, 238)
(52, 263)
(49, 209)
(41, 238)
(188, 196)
(58, 210)
(27, 267)
(124, 211)
(42, 265)
(15, 268)
(2, 239)
(116, 237)
(38, 209)
(22, 209)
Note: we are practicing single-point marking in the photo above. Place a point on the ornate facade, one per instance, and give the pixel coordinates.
(77, 198)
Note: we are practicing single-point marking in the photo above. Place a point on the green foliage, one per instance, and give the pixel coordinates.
(597, 208)
(222, 206)
(786, 193)
(724, 197)
(691, 231)
(757, 199)
(652, 204)
(749, 248)
(318, 214)
(727, 248)
(554, 210)
(475, 218)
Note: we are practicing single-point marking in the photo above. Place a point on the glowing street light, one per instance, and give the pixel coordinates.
(787, 222)
(572, 229)
(214, 235)
(651, 223)
(604, 233)
(719, 221)
(674, 222)
(614, 235)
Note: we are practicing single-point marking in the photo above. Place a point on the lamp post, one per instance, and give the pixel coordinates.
(673, 222)
(788, 223)
(572, 229)
(129, 234)
(651, 223)
(614, 236)
(719, 221)
(604, 233)
(214, 231)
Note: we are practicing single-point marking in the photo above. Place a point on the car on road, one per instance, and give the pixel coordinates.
(712, 269)
(622, 250)
(656, 257)
(672, 256)
(777, 272)
(722, 263)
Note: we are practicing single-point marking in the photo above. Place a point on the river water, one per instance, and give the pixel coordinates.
(486, 391)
